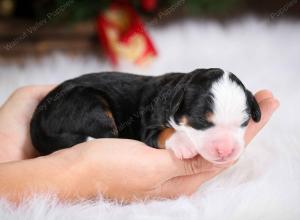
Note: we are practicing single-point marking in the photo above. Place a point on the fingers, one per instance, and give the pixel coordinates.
(268, 104)
(263, 94)
(170, 166)
(36, 92)
(186, 185)
(42, 91)
(183, 177)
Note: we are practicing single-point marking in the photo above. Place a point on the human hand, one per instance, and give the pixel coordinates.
(129, 170)
(15, 116)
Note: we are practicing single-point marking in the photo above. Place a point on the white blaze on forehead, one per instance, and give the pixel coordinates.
(229, 102)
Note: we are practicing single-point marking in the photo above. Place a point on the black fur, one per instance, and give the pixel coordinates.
(253, 107)
(140, 105)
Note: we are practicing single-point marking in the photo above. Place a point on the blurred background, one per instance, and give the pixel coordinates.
(48, 41)
(114, 27)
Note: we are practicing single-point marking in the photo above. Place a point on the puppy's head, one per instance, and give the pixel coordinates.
(214, 111)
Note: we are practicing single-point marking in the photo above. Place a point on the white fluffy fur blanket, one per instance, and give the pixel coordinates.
(264, 184)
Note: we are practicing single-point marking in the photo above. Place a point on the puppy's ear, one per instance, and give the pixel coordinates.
(253, 106)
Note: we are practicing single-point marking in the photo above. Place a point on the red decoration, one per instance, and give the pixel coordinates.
(122, 34)
(149, 5)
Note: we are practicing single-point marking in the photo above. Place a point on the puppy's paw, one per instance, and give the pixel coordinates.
(182, 147)
(90, 139)
(184, 152)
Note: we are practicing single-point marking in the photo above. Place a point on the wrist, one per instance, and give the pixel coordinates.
(13, 150)
(56, 174)
(78, 177)
(8, 150)
(69, 174)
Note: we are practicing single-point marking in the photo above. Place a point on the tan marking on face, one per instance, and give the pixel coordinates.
(109, 114)
(164, 136)
(184, 120)
(209, 116)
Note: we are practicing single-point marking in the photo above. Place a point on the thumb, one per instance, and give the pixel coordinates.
(171, 167)
(183, 177)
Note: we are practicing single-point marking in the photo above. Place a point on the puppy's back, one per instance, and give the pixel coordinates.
(87, 106)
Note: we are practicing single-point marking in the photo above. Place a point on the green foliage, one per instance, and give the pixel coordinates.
(210, 6)
(81, 10)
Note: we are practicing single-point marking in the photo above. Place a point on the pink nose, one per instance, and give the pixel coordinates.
(223, 148)
(224, 152)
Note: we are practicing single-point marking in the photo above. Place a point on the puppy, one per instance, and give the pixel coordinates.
(202, 112)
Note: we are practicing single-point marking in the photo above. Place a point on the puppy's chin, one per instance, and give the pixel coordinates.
(222, 163)
(219, 161)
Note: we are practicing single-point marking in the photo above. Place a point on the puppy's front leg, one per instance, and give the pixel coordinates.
(178, 142)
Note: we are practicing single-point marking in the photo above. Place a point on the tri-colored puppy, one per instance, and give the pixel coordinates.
(203, 112)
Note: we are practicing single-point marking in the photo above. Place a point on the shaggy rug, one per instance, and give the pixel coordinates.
(264, 184)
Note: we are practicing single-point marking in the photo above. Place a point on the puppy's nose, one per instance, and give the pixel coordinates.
(223, 148)
(224, 152)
